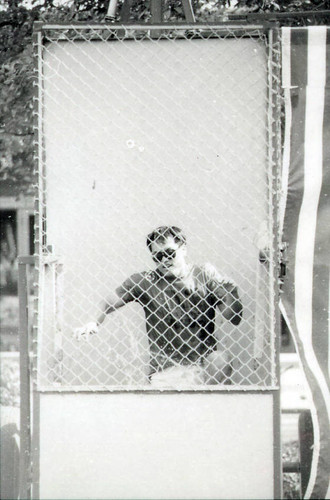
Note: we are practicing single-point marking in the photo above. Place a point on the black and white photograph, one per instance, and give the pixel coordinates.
(165, 256)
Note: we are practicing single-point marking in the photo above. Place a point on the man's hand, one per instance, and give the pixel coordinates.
(84, 332)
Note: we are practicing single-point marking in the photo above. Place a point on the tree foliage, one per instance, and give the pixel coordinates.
(17, 66)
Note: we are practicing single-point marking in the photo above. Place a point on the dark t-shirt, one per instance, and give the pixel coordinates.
(179, 315)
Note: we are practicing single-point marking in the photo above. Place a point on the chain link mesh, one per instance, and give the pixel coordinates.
(138, 128)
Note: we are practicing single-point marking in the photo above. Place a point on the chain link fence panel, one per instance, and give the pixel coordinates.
(145, 127)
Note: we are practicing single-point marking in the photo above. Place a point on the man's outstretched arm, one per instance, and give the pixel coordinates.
(108, 306)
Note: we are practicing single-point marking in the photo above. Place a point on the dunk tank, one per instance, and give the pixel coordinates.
(139, 127)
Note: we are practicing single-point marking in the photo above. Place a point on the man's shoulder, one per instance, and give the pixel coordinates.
(208, 272)
(137, 283)
(206, 269)
(143, 277)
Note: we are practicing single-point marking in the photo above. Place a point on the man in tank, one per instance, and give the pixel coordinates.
(180, 301)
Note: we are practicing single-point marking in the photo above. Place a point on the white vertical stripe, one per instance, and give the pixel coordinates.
(286, 57)
(317, 39)
(313, 165)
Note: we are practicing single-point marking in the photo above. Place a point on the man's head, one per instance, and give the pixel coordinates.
(167, 245)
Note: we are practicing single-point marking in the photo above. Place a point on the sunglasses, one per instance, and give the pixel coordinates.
(170, 253)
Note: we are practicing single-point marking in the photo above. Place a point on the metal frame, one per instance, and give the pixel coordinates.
(275, 159)
(25, 381)
(123, 31)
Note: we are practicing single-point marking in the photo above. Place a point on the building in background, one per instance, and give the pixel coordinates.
(16, 238)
